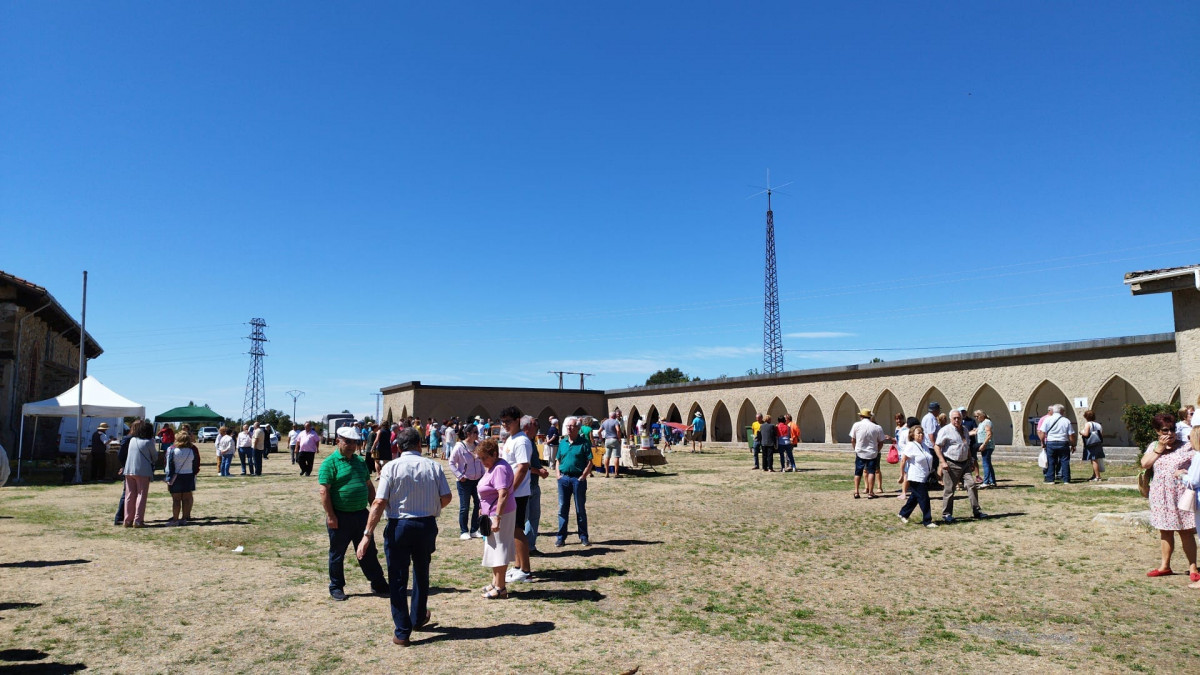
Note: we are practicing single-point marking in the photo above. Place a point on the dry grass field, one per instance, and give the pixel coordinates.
(706, 566)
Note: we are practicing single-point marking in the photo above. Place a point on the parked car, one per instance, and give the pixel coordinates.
(206, 434)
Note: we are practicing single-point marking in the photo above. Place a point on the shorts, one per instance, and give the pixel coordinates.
(612, 449)
(871, 465)
(182, 482)
(522, 504)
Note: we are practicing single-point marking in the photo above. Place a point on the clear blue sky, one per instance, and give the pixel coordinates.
(477, 193)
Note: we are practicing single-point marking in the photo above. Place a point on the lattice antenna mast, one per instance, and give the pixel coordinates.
(772, 334)
(255, 403)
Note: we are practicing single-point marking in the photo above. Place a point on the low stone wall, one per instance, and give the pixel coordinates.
(1003, 453)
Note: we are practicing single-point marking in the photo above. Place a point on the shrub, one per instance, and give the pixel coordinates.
(1139, 419)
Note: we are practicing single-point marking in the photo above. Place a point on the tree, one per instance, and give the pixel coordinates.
(668, 376)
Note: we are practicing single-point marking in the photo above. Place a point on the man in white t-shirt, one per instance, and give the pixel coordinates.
(866, 436)
(953, 450)
(292, 441)
(518, 452)
(1058, 438)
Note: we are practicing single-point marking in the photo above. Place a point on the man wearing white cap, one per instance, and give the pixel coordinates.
(346, 491)
(99, 447)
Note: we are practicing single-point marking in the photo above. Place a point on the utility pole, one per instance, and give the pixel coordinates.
(581, 376)
(82, 377)
(378, 397)
(559, 373)
(255, 402)
(295, 394)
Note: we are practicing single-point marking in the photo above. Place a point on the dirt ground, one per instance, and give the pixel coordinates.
(705, 566)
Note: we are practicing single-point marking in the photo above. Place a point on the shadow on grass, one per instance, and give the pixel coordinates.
(580, 574)
(43, 668)
(565, 595)
(18, 605)
(582, 552)
(200, 522)
(45, 563)
(991, 516)
(22, 655)
(487, 632)
(639, 473)
(628, 542)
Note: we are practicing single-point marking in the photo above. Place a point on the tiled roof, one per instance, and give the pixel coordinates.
(31, 297)
(1166, 270)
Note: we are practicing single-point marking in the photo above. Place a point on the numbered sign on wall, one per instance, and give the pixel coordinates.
(1014, 406)
(1080, 401)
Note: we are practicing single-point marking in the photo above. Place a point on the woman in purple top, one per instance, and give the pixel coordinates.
(500, 506)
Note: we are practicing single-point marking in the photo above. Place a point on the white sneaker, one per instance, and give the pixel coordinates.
(903, 519)
(476, 535)
(931, 525)
(465, 535)
(517, 576)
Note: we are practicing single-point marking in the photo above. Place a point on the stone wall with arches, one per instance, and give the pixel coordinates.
(825, 402)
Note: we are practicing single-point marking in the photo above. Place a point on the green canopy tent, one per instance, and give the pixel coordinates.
(190, 413)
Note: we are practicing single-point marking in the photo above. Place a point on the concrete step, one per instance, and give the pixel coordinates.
(1003, 453)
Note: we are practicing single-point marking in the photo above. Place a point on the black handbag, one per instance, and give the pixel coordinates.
(485, 526)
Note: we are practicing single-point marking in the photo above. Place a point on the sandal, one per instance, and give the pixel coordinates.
(1160, 573)
(496, 594)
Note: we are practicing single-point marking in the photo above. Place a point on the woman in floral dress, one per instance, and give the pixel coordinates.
(1168, 455)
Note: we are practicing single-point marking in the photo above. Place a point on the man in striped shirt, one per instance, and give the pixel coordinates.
(413, 490)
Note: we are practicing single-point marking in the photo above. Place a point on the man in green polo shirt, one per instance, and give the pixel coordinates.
(346, 490)
(574, 467)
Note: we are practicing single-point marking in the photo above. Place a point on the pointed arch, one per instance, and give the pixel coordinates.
(651, 418)
(811, 421)
(745, 418)
(543, 418)
(673, 415)
(1044, 395)
(987, 399)
(777, 410)
(404, 412)
(1109, 403)
(692, 412)
(934, 394)
(632, 421)
(390, 419)
(887, 406)
(720, 427)
(845, 414)
(580, 412)
(1177, 399)
(480, 412)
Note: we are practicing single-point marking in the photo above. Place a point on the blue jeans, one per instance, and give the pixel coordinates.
(569, 486)
(1058, 461)
(351, 525)
(468, 494)
(409, 541)
(757, 447)
(246, 455)
(533, 513)
(786, 459)
(918, 495)
(989, 474)
(226, 460)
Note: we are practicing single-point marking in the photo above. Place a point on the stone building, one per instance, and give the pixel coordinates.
(39, 352)
(1011, 386)
(425, 401)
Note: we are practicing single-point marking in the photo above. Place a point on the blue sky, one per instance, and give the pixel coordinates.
(478, 193)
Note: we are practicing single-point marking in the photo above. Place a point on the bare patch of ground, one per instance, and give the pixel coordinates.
(706, 566)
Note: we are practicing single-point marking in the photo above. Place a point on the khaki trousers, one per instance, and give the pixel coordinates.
(951, 477)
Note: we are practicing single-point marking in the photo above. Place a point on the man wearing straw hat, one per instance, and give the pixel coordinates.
(99, 447)
(866, 437)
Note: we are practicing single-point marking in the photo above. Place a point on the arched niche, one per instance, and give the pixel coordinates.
(720, 427)
(934, 394)
(480, 412)
(580, 412)
(543, 418)
(811, 421)
(1109, 404)
(1044, 395)
(1177, 399)
(632, 420)
(885, 410)
(992, 404)
(692, 413)
(651, 418)
(404, 412)
(673, 415)
(845, 414)
(745, 418)
(777, 410)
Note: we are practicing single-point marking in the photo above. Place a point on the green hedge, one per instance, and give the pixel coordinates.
(1139, 419)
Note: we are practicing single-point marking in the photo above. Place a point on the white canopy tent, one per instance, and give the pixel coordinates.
(98, 401)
